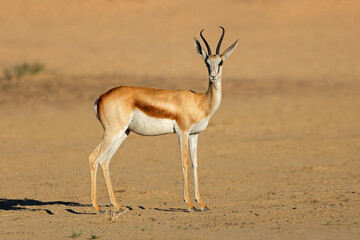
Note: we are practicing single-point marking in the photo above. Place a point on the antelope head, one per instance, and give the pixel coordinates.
(214, 62)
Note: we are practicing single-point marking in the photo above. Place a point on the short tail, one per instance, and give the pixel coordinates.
(96, 108)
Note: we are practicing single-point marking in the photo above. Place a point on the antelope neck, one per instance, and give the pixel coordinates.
(213, 96)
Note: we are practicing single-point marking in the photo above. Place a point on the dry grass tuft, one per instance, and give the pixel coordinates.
(114, 214)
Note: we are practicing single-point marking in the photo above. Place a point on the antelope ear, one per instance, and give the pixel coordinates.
(229, 50)
(199, 49)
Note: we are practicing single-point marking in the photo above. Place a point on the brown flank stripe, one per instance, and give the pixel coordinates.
(154, 111)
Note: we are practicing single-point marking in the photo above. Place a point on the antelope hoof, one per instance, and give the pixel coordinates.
(121, 210)
(205, 209)
(100, 212)
(193, 209)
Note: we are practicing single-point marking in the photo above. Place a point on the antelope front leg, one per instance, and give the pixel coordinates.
(193, 140)
(184, 151)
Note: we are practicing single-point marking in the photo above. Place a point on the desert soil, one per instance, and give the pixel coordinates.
(279, 160)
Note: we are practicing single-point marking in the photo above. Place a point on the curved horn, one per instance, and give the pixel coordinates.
(219, 44)
(207, 45)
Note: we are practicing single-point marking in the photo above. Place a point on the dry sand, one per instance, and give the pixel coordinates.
(279, 160)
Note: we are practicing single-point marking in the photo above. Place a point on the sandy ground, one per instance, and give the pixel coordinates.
(279, 160)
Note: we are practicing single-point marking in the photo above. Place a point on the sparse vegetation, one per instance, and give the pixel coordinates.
(278, 227)
(22, 69)
(26, 68)
(93, 236)
(76, 234)
(341, 218)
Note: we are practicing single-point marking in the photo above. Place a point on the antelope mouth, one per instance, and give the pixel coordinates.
(213, 79)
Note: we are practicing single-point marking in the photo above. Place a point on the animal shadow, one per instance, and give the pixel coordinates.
(172, 209)
(22, 204)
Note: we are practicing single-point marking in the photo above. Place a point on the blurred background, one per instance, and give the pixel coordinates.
(301, 40)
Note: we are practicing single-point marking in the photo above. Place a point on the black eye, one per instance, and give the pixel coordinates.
(221, 63)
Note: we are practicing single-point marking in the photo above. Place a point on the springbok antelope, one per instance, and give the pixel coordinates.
(151, 112)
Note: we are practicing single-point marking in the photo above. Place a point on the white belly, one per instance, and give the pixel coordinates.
(144, 125)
